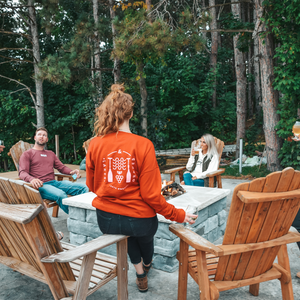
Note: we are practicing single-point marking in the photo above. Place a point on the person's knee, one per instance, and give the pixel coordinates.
(61, 195)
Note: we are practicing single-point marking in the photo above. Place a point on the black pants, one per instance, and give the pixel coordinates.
(296, 224)
(140, 230)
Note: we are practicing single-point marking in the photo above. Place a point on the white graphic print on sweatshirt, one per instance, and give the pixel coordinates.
(119, 169)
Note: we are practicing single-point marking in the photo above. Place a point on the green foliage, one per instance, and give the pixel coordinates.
(256, 171)
(286, 32)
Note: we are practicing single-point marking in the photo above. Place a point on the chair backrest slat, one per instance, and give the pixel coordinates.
(258, 222)
(17, 150)
(13, 239)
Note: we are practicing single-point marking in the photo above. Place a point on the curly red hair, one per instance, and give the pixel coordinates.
(113, 111)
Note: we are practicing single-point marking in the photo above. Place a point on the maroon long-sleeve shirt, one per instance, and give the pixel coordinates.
(40, 164)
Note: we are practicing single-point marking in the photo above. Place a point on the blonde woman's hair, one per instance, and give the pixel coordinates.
(113, 111)
(211, 145)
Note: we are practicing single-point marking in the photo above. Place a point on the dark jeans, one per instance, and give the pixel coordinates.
(187, 178)
(296, 224)
(140, 230)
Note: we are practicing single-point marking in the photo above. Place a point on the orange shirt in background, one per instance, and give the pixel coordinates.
(122, 170)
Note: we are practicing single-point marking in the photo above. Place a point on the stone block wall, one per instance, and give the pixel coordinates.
(210, 224)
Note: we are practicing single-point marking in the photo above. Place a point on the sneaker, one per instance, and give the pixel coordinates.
(142, 282)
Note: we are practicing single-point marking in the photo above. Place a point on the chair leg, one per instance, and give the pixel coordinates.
(180, 175)
(254, 289)
(219, 180)
(283, 261)
(183, 270)
(55, 211)
(122, 270)
(172, 176)
(211, 182)
(203, 280)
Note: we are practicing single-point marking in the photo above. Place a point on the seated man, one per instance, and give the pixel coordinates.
(36, 166)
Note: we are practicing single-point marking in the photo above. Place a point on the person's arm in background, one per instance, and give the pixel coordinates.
(24, 169)
(1, 148)
(58, 165)
(150, 188)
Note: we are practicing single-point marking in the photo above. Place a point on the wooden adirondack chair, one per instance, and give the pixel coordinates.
(260, 216)
(211, 176)
(29, 245)
(16, 151)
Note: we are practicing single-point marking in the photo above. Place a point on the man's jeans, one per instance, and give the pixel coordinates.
(57, 190)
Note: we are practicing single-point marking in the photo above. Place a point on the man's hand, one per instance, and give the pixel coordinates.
(36, 183)
(76, 171)
(195, 177)
(1, 148)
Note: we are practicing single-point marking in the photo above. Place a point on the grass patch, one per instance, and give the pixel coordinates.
(254, 172)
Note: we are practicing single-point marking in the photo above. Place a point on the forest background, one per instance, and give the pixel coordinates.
(192, 67)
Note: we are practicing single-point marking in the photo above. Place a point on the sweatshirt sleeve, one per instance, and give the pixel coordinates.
(90, 170)
(58, 165)
(24, 167)
(150, 188)
(213, 166)
(190, 162)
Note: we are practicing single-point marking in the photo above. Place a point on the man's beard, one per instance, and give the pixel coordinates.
(41, 144)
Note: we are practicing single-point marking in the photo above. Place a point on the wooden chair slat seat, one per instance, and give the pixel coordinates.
(28, 239)
(256, 233)
(216, 174)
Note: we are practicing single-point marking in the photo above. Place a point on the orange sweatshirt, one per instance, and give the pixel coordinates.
(121, 169)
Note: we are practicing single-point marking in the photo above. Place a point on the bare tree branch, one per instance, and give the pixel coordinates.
(20, 83)
(4, 49)
(18, 91)
(15, 59)
(17, 33)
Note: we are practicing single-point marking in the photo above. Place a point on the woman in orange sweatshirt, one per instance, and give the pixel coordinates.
(123, 172)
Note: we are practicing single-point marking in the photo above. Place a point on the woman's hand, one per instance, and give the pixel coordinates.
(194, 177)
(193, 152)
(190, 218)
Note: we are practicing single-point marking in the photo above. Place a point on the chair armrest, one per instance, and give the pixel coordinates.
(290, 237)
(85, 249)
(215, 173)
(63, 175)
(195, 240)
(20, 213)
(174, 170)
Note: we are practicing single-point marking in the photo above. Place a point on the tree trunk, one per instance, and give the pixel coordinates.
(144, 95)
(117, 70)
(257, 87)
(214, 49)
(241, 85)
(203, 6)
(250, 68)
(269, 96)
(39, 104)
(97, 63)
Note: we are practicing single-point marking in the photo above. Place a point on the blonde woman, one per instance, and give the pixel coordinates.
(123, 172)
(203, 163)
